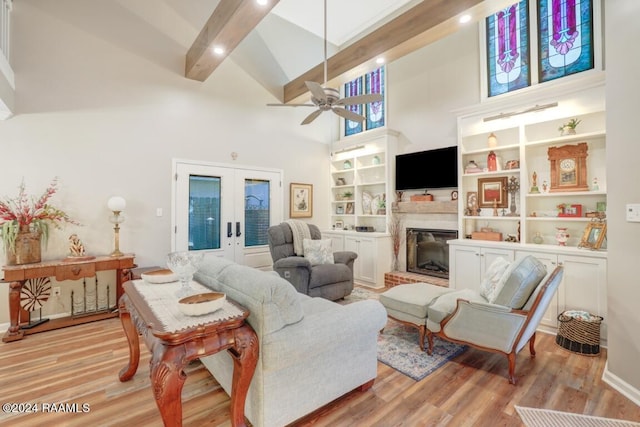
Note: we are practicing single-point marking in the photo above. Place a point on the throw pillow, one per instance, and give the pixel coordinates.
(492, 282)
(318, 251)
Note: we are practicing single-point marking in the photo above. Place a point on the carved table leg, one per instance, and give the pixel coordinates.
(167, 379)
(14, 332)
(131, 332)
(245, 357)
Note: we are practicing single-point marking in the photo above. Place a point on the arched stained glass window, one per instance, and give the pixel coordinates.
(375, 110)
(353, 88)
(565, 38)
(508, 61)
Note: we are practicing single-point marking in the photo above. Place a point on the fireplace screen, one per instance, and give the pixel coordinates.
(428, 251)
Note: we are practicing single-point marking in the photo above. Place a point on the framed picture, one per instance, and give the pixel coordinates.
(301, 200)
(472, 203)
(512, 164)
(594, 235)
(492, 190)
(349, 210)
(339, 225)
(566, 210)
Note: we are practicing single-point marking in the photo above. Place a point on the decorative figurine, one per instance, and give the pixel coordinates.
(545, 187)
(76, 248)
(595, 184)
(534, 187)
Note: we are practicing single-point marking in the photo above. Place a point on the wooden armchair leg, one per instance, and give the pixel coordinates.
(430, 341)
(532, 344)
(512, 368)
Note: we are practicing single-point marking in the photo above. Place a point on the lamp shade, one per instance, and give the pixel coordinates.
(117, 204)
(492, 140)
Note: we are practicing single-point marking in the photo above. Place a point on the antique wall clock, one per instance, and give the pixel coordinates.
(568, 167)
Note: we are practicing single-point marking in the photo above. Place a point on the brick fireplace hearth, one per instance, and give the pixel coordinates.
(395, 278)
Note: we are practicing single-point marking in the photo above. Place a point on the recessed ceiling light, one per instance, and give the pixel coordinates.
(262, 2)
(465, 18)
(218, 50)
(380, 61)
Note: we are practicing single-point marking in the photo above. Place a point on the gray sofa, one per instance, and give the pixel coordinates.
(330, 281)
(312, 350)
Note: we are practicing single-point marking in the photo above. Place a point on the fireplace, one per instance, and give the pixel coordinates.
(428, 251)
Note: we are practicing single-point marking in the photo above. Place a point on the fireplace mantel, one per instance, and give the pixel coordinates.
(434, 207)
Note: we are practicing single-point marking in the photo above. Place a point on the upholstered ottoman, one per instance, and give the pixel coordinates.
(408, 304)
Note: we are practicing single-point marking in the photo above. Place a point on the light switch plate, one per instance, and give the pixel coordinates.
(633, 212)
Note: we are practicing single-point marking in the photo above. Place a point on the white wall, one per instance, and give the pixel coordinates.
(623, 175)
(106, 110)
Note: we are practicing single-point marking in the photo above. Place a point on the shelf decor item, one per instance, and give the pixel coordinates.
(537, 238)
(25, 224)
(562, 236)
(301, 200)
(492, 140)
(534, 186)
(569, 210)
(492, 163)
(346, 164)
(594, 234)
(492, 192)
(568, 167)
(569, 128)
(512, 187)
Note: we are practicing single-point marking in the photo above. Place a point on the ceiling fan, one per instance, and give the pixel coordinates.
(327, 98)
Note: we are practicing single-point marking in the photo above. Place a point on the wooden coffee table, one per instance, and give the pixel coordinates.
(172, 350)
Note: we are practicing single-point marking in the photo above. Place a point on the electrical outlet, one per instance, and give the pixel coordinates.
(56, 291)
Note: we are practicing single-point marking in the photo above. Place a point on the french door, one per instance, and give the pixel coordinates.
(225, 211)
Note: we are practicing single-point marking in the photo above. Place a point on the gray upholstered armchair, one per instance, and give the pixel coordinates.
(504, 326)
(330, 281)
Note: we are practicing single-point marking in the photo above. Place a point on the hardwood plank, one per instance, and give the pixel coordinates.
(80, 364)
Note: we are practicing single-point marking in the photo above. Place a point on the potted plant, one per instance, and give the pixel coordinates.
(25, 223)
(347, 195)
(569, 128)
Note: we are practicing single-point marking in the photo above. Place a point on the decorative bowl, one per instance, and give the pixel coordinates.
(159, 276)
(200, 304)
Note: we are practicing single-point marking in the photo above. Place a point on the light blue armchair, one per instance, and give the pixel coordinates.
(505, 326)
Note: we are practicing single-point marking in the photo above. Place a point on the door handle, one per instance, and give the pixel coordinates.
(238, 233)
(229, 232)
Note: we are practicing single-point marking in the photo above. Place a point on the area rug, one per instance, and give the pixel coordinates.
(535, 417)
(398, 345)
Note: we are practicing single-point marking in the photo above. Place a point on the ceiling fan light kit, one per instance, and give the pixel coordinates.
(327, 98)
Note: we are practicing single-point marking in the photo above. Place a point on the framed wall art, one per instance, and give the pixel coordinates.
(594, 235)
(301, 200)
(492, 192)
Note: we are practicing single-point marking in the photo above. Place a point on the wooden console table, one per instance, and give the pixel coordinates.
(17, 275)
(172, 348)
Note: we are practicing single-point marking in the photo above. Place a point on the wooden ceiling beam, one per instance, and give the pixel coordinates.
(393, 35)
(227, 26)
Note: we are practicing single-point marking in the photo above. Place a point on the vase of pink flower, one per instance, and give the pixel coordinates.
(25, 224)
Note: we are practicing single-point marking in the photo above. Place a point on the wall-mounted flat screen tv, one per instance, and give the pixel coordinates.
(428, 169)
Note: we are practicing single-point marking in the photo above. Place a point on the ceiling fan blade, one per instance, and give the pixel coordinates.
(360, 99)
(311, 117)
(317, 91)
(348, 114)
(290, 105)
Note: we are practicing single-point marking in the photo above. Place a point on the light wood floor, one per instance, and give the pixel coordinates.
(80, 365)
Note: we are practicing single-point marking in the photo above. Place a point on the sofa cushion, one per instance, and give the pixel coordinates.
(445, 304)
(523, 276)
(318, 251)
(272, 301)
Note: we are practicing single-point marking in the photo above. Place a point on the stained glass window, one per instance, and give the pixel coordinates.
(565, 38)
(374, 82)
(353, 88)
(508, 60)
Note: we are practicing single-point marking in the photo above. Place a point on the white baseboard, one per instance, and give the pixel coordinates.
(4, 327)
(620, 385)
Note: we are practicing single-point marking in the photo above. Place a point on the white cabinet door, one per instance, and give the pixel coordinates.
(584, 286)
(469, 263)
(337, 240)
(464, 267)
(364, 267)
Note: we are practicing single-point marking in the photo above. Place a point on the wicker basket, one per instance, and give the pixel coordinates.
(579, 336)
